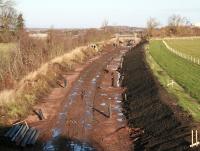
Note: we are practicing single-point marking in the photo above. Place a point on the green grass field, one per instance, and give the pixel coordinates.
(185, 73)
(183, 99)
(187, 46)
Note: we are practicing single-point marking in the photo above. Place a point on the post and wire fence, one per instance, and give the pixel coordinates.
(190, 58)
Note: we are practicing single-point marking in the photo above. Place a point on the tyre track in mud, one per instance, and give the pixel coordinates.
(73, 125)
(82, 95)
(148, 107)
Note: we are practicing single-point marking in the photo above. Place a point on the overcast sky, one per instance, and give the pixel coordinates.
(91, 13)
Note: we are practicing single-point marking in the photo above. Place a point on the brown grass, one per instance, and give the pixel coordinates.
(30, 53)
(18, 102)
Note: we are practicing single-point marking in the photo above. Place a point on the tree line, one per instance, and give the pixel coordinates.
(177, 26)
(11, 22)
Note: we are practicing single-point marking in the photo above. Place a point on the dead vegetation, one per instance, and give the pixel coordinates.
(26, 82)
(177, 26)
(30, 53)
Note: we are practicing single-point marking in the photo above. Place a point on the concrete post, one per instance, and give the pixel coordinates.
(196, 136)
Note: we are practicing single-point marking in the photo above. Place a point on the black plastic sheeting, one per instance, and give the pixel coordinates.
(22, 135)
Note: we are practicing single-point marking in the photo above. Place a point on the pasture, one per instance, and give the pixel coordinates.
(185, 73)
(188, 46)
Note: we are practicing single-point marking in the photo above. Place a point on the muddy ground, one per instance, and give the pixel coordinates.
(93, 112)
(78, 117)
(149, 107)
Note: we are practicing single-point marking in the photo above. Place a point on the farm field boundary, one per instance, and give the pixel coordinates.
(186, 74)
(171, 38)
(182, 55)
(184, 100)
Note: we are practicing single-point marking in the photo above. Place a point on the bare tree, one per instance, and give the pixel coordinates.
(20, 23)
(104, 23)
(152, 23)
(8, 18)
(6, 3)
(175, 22)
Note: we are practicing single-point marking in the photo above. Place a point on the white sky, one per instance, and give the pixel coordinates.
(91, 13)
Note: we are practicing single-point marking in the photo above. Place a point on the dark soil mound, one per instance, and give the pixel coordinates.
(146, 109)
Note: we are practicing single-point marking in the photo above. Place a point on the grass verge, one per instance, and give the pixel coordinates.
(184, 100)
(181, 70)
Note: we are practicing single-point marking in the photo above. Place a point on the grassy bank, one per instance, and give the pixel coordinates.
(146, 109)
(167, 66)
(26, 54)
(182, 71)
(18, 102)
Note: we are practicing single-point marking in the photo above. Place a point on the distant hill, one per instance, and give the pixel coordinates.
(123, 29)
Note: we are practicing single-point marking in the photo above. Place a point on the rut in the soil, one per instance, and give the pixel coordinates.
(145, 108)
(87, 84)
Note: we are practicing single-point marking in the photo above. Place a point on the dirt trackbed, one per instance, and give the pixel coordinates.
(148, 107)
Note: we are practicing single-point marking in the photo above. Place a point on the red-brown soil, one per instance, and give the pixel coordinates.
(89, 113)
(69, 112)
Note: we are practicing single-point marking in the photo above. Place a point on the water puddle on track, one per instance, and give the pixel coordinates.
(87, 117)
(86, 120)
(77, 146)
(62, 118)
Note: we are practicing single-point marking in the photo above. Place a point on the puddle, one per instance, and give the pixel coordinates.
(103, 104)
(120, 114)
(56, 132)
(116, 97)
(117, 107)
(49, 146)
(120, 120)
(77, 146)
(74, 93)
(62, 118)
(80, 80)
(118, 79)
(70, 146)
(88, 126)
(86, 118)
(94, 80)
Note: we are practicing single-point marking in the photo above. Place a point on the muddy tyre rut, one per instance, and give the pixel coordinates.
(77, 126)
(125, 100)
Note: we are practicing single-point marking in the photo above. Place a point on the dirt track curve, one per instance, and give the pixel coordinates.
(83, 122)
(78, 117)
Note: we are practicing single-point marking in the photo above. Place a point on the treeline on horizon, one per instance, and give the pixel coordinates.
(26, 53)
(177, 26)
